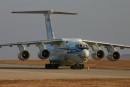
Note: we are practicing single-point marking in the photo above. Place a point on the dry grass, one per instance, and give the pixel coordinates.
(27, 62)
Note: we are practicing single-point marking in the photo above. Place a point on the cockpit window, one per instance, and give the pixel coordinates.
(82, 46)
(66, 41)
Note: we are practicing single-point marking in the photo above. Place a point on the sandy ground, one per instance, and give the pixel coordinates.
(31, 74)
(67, 83)
(14, 73)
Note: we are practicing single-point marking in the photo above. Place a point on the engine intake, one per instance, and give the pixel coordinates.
(24, 55)
(98, 55)
(114, 56)
(44, 54)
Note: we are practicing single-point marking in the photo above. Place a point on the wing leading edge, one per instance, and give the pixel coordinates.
(28, 43)
(89, 42)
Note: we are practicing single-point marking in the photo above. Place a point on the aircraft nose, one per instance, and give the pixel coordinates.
(85, 53)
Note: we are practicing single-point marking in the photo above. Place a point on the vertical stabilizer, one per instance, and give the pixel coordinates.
(50, 34)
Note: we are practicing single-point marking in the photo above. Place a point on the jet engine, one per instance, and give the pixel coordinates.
(97, 55)
(113, 56)
(44, 54)
(24, 55)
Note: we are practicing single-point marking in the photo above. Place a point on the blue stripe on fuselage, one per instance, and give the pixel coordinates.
(74, 50)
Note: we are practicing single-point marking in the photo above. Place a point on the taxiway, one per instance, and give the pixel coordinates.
(26, 72)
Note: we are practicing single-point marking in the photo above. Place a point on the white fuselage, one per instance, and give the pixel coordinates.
(69, 52)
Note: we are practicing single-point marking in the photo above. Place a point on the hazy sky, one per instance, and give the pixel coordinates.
(100, 20)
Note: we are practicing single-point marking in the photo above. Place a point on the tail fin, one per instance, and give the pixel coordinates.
(50, 34)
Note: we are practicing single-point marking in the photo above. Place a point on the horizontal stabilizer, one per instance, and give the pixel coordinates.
(44, 12)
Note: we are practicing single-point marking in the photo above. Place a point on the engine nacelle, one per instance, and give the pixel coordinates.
(113, 56)
(24, 55)
(98, 55)
(44, 54)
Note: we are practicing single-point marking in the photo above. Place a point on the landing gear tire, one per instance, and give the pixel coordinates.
(77, 66)
(52, 66)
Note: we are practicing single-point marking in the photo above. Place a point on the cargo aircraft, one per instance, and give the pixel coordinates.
(71, 52)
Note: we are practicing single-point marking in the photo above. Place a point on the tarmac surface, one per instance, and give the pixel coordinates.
(28, 72)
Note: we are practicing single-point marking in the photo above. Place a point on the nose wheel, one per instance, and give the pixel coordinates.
(77, 66)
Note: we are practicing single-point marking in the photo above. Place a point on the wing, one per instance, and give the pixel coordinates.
(28, 43)
(90, 43)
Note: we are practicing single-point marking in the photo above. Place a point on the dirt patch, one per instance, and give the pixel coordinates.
(67, 83)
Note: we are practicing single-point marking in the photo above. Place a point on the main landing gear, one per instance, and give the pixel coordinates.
(77, 66)
(52, 66)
